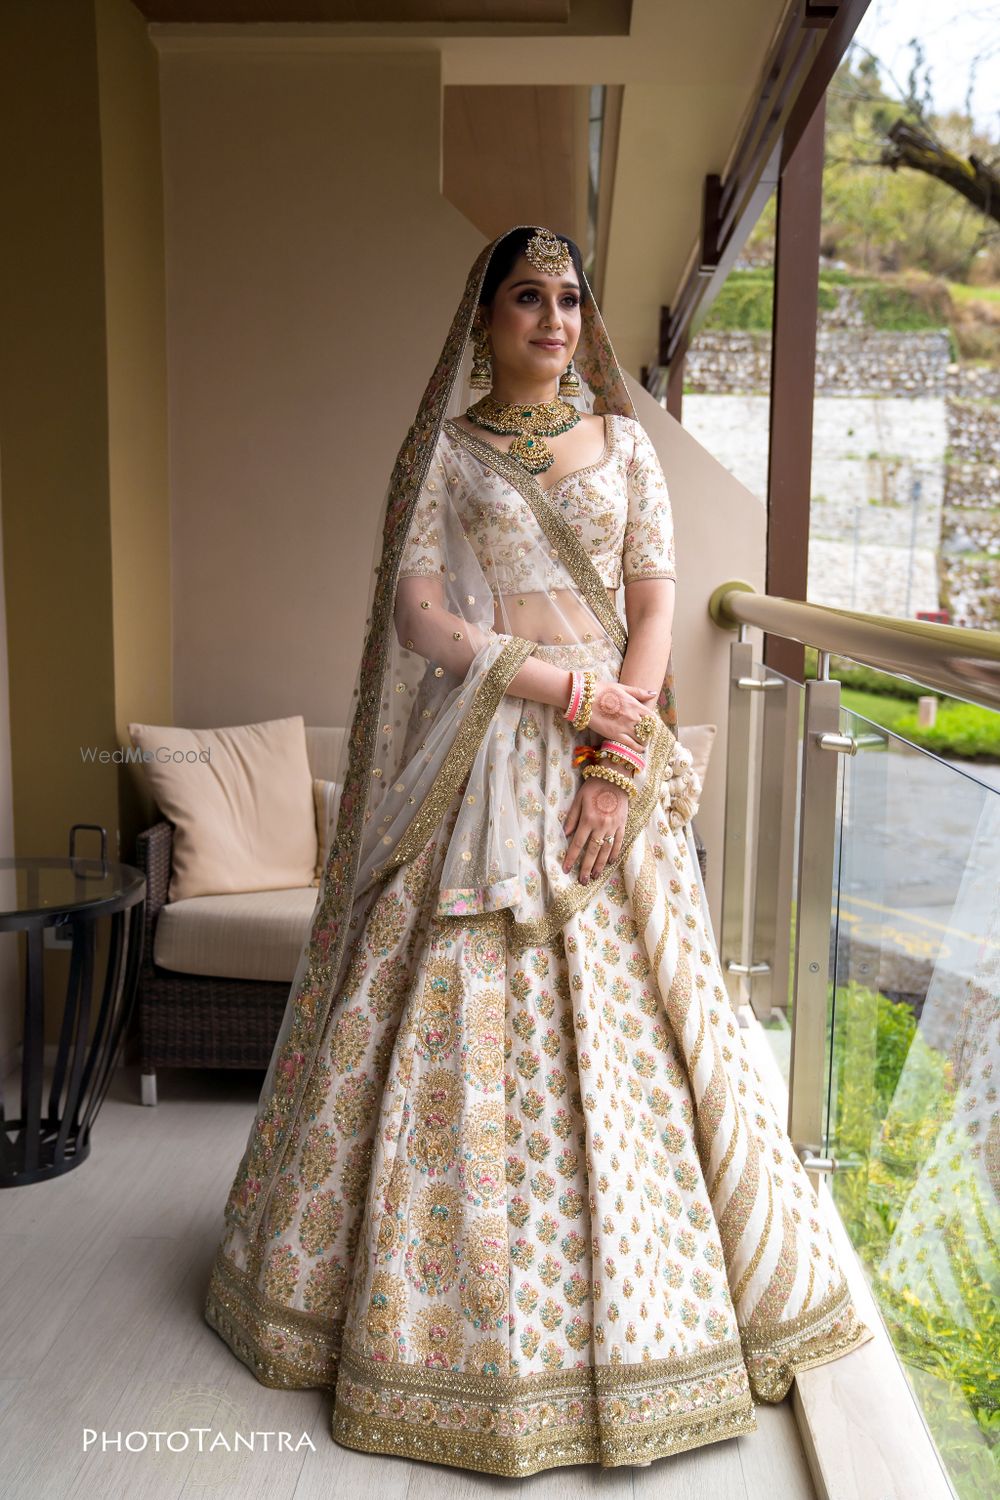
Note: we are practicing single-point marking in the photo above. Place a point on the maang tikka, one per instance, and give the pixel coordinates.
(550, 255)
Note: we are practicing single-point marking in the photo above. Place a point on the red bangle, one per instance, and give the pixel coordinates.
(624, 752)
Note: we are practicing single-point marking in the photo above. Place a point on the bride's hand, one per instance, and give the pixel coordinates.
(617, 708)
(598, 811)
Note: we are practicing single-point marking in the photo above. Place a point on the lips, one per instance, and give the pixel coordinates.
(549, 343)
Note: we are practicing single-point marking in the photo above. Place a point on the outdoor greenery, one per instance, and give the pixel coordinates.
(746, 300)
(962, 730)
(913, 251)
(950, 1347)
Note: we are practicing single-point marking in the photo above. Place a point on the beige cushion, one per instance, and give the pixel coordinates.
(255, 935)
(241, 802)
(325, 743)
(699, 739)
(326, 796)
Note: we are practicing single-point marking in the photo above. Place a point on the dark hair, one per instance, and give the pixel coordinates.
(506, 253)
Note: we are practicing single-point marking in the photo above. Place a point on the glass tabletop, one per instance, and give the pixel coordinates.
(34, 886)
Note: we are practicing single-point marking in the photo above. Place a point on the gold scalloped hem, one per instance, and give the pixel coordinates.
(285, 1349)
(515, 1426)
(776, 1353)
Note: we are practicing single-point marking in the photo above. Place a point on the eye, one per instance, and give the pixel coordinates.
(569, 297)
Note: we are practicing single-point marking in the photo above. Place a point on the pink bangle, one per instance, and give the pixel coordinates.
(626, 752)
(574, 696)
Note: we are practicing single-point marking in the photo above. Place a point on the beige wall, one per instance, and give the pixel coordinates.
(81, 405)
(719, 535)
(10, 980)
(313, 269)
(135, 333)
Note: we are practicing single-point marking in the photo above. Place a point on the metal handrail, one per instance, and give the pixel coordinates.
(963, 663)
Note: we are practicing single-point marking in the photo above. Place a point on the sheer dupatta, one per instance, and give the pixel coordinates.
(477, 571)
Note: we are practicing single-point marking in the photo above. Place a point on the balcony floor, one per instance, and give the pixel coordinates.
(102, 1276)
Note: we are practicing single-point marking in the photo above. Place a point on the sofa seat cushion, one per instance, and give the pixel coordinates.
(248, 935)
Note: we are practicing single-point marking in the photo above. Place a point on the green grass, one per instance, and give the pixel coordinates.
(959, 292)
(895, 1123)
(746, 300)
(963, 730)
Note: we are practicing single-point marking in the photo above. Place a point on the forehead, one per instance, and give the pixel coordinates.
(523, 271)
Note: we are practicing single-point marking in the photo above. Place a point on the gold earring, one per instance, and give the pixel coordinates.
(481, 378)
(569, 381)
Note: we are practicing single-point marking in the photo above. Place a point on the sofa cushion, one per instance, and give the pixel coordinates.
(240, 800)
(325, 745)
(253, 935)
(699, 739)
(326, 795)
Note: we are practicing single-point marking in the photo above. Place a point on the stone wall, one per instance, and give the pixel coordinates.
(905, 495)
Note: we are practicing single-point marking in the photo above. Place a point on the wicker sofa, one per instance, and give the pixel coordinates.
(216, 970)
(191, 1019)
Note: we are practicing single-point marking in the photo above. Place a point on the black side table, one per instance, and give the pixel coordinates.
(72, 893)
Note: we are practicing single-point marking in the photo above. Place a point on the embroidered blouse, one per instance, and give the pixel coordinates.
(619, 507)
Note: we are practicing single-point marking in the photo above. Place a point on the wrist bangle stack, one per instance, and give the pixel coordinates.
(621, 754)
(607, 773)
(581, 698)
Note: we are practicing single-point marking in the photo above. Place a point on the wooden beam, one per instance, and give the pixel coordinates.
(804, 57)
(793, 380)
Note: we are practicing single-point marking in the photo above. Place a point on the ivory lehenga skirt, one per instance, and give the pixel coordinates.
(541, 1210)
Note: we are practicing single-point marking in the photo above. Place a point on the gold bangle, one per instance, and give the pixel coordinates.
(587, 701)
(606, 773)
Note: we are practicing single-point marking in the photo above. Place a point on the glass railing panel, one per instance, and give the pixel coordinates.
(912, 1113)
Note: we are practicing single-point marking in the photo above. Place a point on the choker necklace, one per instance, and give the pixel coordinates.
(530, 423)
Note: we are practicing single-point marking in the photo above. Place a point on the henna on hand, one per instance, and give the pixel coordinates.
(606, 800)
(609, 700)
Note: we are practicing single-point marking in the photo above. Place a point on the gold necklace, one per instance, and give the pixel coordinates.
(530, 423)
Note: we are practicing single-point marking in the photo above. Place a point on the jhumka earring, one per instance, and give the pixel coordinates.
(569, 381)
(481, 378)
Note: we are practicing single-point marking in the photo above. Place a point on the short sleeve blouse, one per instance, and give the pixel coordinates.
(423, 555)
(648, 550)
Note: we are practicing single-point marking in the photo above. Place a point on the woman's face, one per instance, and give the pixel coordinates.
(534, 322)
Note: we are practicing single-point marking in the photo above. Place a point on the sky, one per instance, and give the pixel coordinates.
(952, 32)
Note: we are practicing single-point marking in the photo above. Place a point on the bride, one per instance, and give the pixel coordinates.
(515, 1191)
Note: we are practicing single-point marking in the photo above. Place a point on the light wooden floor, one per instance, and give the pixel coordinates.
(102, 1276)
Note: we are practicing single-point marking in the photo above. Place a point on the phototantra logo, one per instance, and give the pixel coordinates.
(203, 1434)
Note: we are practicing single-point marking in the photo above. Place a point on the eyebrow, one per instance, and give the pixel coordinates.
(571, 286)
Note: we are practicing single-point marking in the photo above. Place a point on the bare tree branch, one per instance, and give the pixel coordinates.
(912, 146)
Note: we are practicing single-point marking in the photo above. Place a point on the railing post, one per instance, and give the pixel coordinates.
(814, 901)
(775, 849)
(735, 925)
